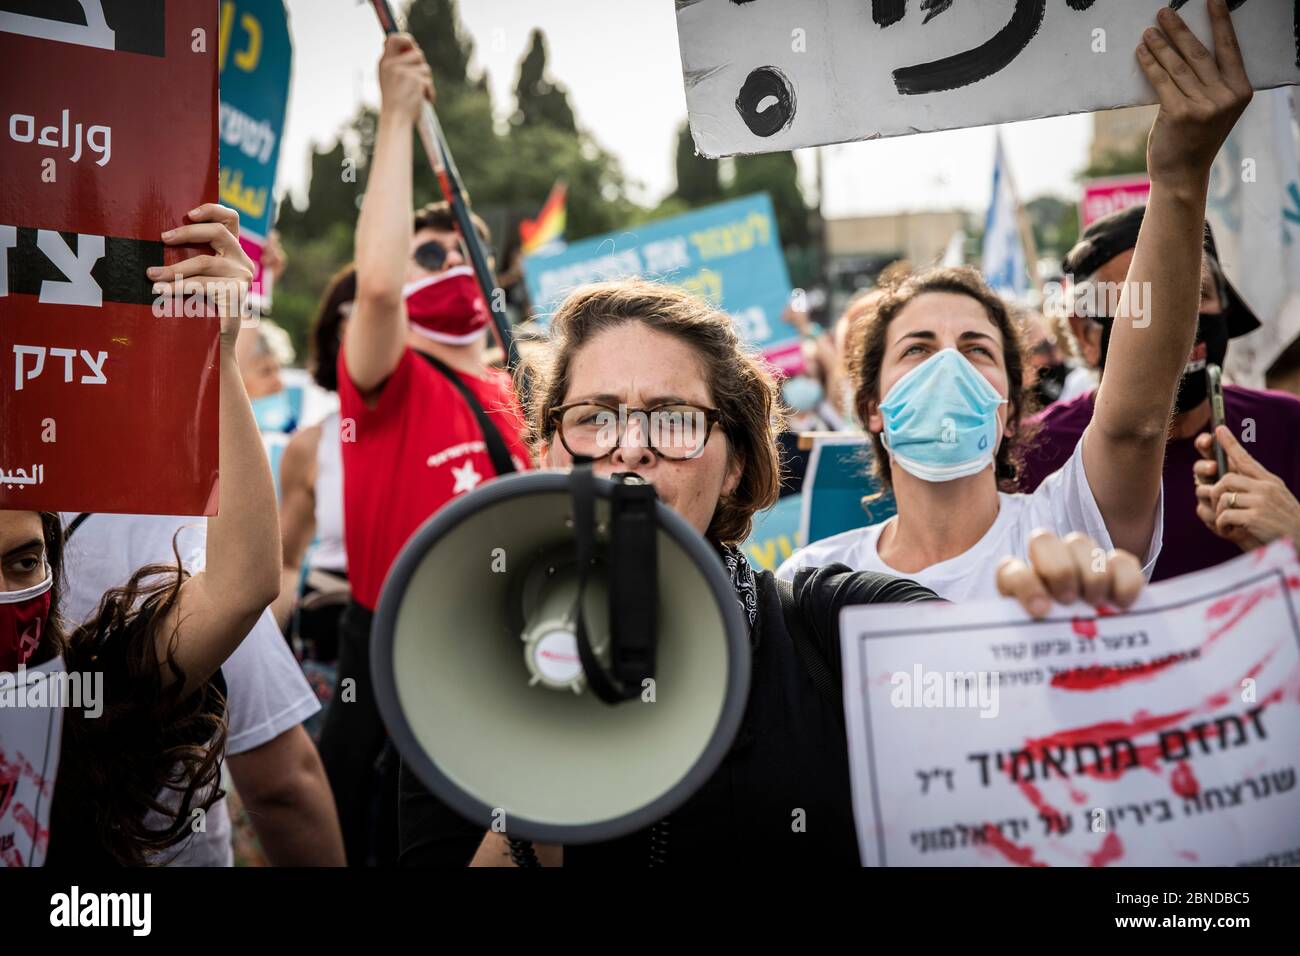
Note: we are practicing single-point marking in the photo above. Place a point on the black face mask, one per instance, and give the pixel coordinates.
(1051, 382)
(1211, 346)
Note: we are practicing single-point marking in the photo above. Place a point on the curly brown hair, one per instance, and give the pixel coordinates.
(744, 392)
(866, 356)
(148, 741)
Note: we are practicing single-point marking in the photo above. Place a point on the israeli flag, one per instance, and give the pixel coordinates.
(1003, 263)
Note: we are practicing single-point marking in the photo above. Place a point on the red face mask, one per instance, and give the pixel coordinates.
(448, 307)
(23, 615)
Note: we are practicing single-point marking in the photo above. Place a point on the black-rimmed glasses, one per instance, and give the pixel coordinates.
(677, 432)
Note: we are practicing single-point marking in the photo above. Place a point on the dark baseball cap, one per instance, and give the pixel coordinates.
(1110, 235)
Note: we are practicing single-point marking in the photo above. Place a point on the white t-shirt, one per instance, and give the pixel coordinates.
(266, 692)
(1062, 503)
(328, 552)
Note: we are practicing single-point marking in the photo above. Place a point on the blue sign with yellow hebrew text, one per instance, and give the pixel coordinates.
(729, 253)
(254, 58)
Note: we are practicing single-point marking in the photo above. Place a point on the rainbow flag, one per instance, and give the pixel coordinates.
(548, 227)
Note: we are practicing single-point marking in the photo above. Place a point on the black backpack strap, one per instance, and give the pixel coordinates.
(76, 523)
(813, 660)
(496, 445)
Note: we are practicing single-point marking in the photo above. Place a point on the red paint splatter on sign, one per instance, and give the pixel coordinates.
(1184, 781)
(1036, 798)
(1111, 849)
(1235, 608)
(35, 832)
(1019, 855)
(1096, 677)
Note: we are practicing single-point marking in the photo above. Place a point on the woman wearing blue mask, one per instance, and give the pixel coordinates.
(938, 371)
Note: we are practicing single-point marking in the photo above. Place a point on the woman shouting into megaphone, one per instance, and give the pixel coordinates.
(656, 357)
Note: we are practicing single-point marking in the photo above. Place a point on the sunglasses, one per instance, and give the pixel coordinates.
(430, 256)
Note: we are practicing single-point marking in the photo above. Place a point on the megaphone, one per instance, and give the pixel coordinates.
(485, 661)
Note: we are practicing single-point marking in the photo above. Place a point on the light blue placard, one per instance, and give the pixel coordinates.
(729, 253)
(775, 535)
(256, 54)
(838, 479)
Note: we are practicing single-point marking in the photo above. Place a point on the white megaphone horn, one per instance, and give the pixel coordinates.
(560, 653)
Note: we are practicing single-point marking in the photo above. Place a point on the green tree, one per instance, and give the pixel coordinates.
(777, 175)
(536, 156)
(338, 179)
(1117, 163)
(464, 103)
(541, 101)
(1055, 223)
(435, 25)
(698, 179)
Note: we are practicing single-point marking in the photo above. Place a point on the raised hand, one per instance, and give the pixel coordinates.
(1202, 94)
(222, 278)
(405, 80)
(1069, 569)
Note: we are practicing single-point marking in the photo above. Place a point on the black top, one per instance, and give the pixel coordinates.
(790, 755)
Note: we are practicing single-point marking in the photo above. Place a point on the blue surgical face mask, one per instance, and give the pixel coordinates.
(802, 393)
(941, 419)
(276, 412)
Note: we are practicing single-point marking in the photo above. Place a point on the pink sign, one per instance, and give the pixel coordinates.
(1101, 197)
(254, 247)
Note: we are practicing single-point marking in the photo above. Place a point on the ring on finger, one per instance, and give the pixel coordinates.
(1232, 499)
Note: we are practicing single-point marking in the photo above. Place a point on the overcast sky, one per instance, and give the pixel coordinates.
(619, 61)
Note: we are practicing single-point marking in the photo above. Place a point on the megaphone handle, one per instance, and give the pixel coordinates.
(633, 583)
(583, 487)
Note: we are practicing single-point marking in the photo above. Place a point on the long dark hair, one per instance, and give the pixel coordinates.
(326, 329)
(150, 738)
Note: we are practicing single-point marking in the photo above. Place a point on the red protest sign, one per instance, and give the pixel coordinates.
(108, 399)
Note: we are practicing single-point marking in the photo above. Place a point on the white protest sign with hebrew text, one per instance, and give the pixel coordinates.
(1165, 735)
(31, 734)
(765, 76)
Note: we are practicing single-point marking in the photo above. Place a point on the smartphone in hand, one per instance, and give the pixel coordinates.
(1217, 417)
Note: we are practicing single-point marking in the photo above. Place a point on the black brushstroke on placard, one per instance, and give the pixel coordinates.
(933, 8)
(139, 26)
(963, 69)
(1179, 4)
(119, 273)
(948, 73)
(885, 13)
(764, 83)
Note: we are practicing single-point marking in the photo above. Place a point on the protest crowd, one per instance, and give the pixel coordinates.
(1062, 464)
